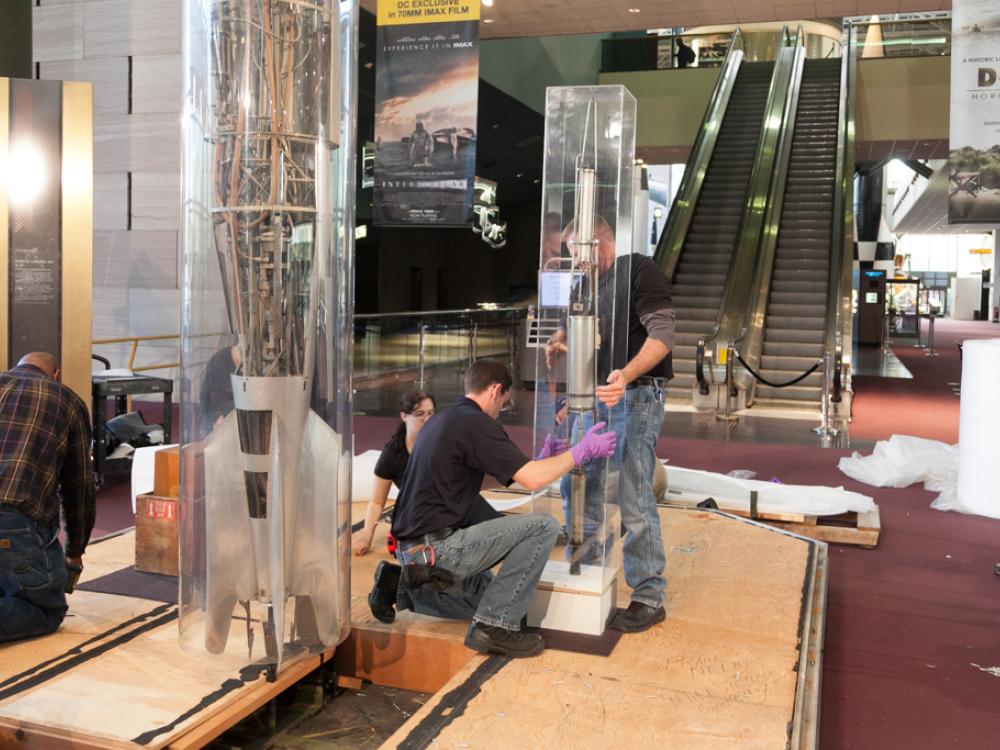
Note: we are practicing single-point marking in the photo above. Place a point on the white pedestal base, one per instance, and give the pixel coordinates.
(577, 604)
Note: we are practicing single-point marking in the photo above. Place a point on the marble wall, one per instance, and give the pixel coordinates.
(131, 52)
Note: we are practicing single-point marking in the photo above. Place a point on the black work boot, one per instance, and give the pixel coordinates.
(637, 617)
(492, 640)
(383, 594)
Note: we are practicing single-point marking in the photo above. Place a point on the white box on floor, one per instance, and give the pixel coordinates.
(575, 603)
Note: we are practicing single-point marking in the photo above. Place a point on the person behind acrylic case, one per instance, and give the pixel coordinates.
(415, 408)
(631, 401)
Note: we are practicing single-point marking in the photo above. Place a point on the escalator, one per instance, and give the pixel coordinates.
(796, 322)
(703, 263)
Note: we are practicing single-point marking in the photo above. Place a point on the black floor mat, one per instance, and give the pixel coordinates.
(131, 582)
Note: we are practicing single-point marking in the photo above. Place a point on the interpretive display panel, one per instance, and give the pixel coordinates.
(268, 182)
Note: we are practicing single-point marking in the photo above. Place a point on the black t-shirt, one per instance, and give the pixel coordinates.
(453, 452)
(392, 462)
(640, 284)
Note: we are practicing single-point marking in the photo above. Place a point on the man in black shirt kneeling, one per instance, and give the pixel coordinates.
(448, 536)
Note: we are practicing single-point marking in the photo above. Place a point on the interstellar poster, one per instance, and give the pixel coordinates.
(426, 98)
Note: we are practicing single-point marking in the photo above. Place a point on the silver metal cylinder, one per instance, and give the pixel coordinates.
(586, 180)
(580, 367)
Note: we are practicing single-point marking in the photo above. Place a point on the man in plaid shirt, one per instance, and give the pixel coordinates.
(44, 460)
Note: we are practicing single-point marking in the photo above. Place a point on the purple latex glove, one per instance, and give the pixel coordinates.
(595, 444)
(552, 446)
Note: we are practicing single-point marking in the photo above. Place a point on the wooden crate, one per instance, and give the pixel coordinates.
(156, 526)
(166, 472)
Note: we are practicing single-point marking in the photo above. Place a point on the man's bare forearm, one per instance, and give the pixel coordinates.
(649, 356)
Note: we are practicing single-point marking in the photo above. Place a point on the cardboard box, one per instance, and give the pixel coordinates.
(156, 541)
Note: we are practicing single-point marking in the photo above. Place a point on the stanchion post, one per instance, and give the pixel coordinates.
(929, 352)
(728, 416)
(825, 430)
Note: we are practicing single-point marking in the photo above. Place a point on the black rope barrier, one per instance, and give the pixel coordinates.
(765, 381)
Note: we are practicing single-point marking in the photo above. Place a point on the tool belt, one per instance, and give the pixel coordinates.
(423, 570)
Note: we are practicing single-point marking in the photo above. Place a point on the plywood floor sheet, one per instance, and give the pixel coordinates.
(720, 672)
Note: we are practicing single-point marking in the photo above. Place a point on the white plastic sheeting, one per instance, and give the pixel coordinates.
(902, 460)
(771, 497)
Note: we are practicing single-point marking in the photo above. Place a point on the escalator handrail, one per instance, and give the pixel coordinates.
(735, 297)
(838, 302)
(668, 248)
(750, 339)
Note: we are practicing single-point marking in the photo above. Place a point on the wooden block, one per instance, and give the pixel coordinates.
(408, 660)
(166, 472)
(349, 683)
(156, 524)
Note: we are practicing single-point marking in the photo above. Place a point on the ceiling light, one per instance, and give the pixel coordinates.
(633, 10)
(488, 3)
(487, 20)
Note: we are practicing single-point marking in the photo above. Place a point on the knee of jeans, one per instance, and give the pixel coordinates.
(550, 526)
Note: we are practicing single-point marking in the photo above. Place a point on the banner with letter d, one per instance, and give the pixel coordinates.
(974, 162)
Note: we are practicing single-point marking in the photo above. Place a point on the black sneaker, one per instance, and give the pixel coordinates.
(492, 640)
(383, 593)
(637, 617)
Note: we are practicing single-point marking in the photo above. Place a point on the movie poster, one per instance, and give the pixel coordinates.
(426, 99)
(974, 163)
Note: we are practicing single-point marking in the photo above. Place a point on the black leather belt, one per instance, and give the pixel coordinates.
(660, 383)
(427, 539)
(9, 507)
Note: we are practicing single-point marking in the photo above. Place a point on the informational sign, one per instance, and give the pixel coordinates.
(426, 102)
(974, 163)
(34, 274)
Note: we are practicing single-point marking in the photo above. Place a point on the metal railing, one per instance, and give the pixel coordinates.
(661, 52)
(911, 38)
(395, 344)
(135, 341)
(668, 249)
(837, 346)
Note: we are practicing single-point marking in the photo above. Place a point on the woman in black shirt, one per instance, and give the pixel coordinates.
(415, 408)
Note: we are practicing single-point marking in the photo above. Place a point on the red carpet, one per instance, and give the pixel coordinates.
(924, 406)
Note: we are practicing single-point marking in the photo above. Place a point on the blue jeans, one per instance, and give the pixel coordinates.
(638, 427)
(32, 577)
(523, 543)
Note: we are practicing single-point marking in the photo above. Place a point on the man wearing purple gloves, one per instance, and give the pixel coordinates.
(447, 535)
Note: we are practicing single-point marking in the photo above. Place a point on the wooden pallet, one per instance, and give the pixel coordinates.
(857, 529)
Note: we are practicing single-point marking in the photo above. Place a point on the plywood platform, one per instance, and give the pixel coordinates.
(736, 664)
(114, 675)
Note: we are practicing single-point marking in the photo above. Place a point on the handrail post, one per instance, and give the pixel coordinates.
(728, 416)
(825, 430)
(421, 350)
(929, 352)
(473, 333)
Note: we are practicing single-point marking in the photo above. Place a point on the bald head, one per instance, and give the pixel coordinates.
(43, 361)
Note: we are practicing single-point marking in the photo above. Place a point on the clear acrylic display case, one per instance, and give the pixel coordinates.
(584, 270)
(266, 309)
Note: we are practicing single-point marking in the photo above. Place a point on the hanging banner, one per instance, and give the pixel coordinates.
(974, 163)
(426, 100)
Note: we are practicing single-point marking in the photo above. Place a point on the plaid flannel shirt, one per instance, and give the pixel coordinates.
(45, 453)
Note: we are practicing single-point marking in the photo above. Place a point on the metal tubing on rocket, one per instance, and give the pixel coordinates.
(581, 369)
